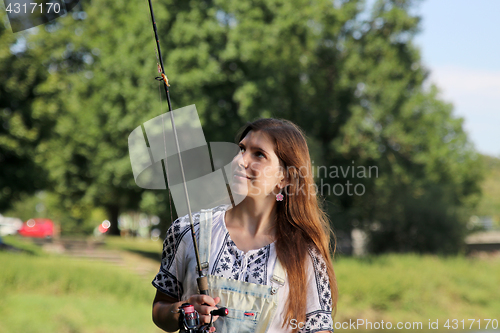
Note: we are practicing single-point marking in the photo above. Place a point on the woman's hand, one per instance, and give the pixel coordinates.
(165, 310)
(203, 304)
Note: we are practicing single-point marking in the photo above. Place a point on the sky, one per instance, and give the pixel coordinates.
(460, 45)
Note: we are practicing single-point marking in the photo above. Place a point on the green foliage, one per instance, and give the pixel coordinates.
(354, 83)
(426, 165)
(48, 205)
(99, 91)
(489, 204)
(20, 129)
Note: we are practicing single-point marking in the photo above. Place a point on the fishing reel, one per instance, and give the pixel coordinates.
(189, 319)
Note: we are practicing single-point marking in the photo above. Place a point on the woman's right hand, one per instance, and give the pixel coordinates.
(166, 310)
(203, 304)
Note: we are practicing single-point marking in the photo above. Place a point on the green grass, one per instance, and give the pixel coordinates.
(134, 244)
(59, 275)
(412, 287)
(40, 313)
(42, 293)
(57, 294)
(25, 245)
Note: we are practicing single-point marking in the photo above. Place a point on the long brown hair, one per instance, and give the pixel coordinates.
(301, 223)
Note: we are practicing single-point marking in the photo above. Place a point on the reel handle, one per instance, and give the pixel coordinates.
(220, 312)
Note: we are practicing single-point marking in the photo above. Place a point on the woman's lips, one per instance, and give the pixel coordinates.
(239, 175)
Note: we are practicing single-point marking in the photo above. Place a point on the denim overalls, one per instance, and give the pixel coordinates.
(252, 307)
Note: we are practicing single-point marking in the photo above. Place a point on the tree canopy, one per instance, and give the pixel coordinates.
(352, 79)
(21, 130)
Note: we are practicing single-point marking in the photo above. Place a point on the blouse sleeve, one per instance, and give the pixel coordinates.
(319, 300)
(174, 260)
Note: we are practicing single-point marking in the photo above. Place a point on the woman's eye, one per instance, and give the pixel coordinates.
(242, 149)
(259, 154)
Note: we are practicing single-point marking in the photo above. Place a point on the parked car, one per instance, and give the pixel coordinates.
(9, 225)
(40, 228)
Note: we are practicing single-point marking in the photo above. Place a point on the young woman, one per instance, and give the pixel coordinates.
(269, 256)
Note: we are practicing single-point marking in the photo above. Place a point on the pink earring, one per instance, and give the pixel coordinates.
(279, 196)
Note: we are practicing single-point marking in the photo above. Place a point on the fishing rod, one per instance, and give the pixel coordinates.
(201, 280)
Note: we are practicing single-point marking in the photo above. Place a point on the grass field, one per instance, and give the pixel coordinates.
(43, 293)
(54, 294)
(411, 287)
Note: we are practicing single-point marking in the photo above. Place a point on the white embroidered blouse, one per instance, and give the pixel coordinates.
(255, 266)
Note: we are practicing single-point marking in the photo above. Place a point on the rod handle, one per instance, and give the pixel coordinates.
(202, 285)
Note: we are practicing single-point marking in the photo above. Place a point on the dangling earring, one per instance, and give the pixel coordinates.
(279, 196)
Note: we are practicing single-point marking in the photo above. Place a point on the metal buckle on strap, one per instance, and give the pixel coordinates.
(279, 281)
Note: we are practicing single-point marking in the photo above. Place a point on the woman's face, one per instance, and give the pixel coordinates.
(257, 170)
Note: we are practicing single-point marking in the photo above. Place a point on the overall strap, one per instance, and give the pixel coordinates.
(205, 238)
(278, 278)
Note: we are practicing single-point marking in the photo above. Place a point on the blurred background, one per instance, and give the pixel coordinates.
(398, 99)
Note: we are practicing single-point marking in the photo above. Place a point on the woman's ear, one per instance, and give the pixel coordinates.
(283, 183)
(285, 178)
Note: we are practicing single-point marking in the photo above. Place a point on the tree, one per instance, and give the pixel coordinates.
(98, 91)
(427, 166)
(489, 204)
(20, 128)
(353, 82)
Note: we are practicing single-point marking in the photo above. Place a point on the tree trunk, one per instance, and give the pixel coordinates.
(113, 213)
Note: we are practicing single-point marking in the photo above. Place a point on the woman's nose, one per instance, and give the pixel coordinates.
(244, 159)
(240, 160)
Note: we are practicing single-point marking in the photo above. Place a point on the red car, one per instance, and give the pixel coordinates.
(41, 228)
